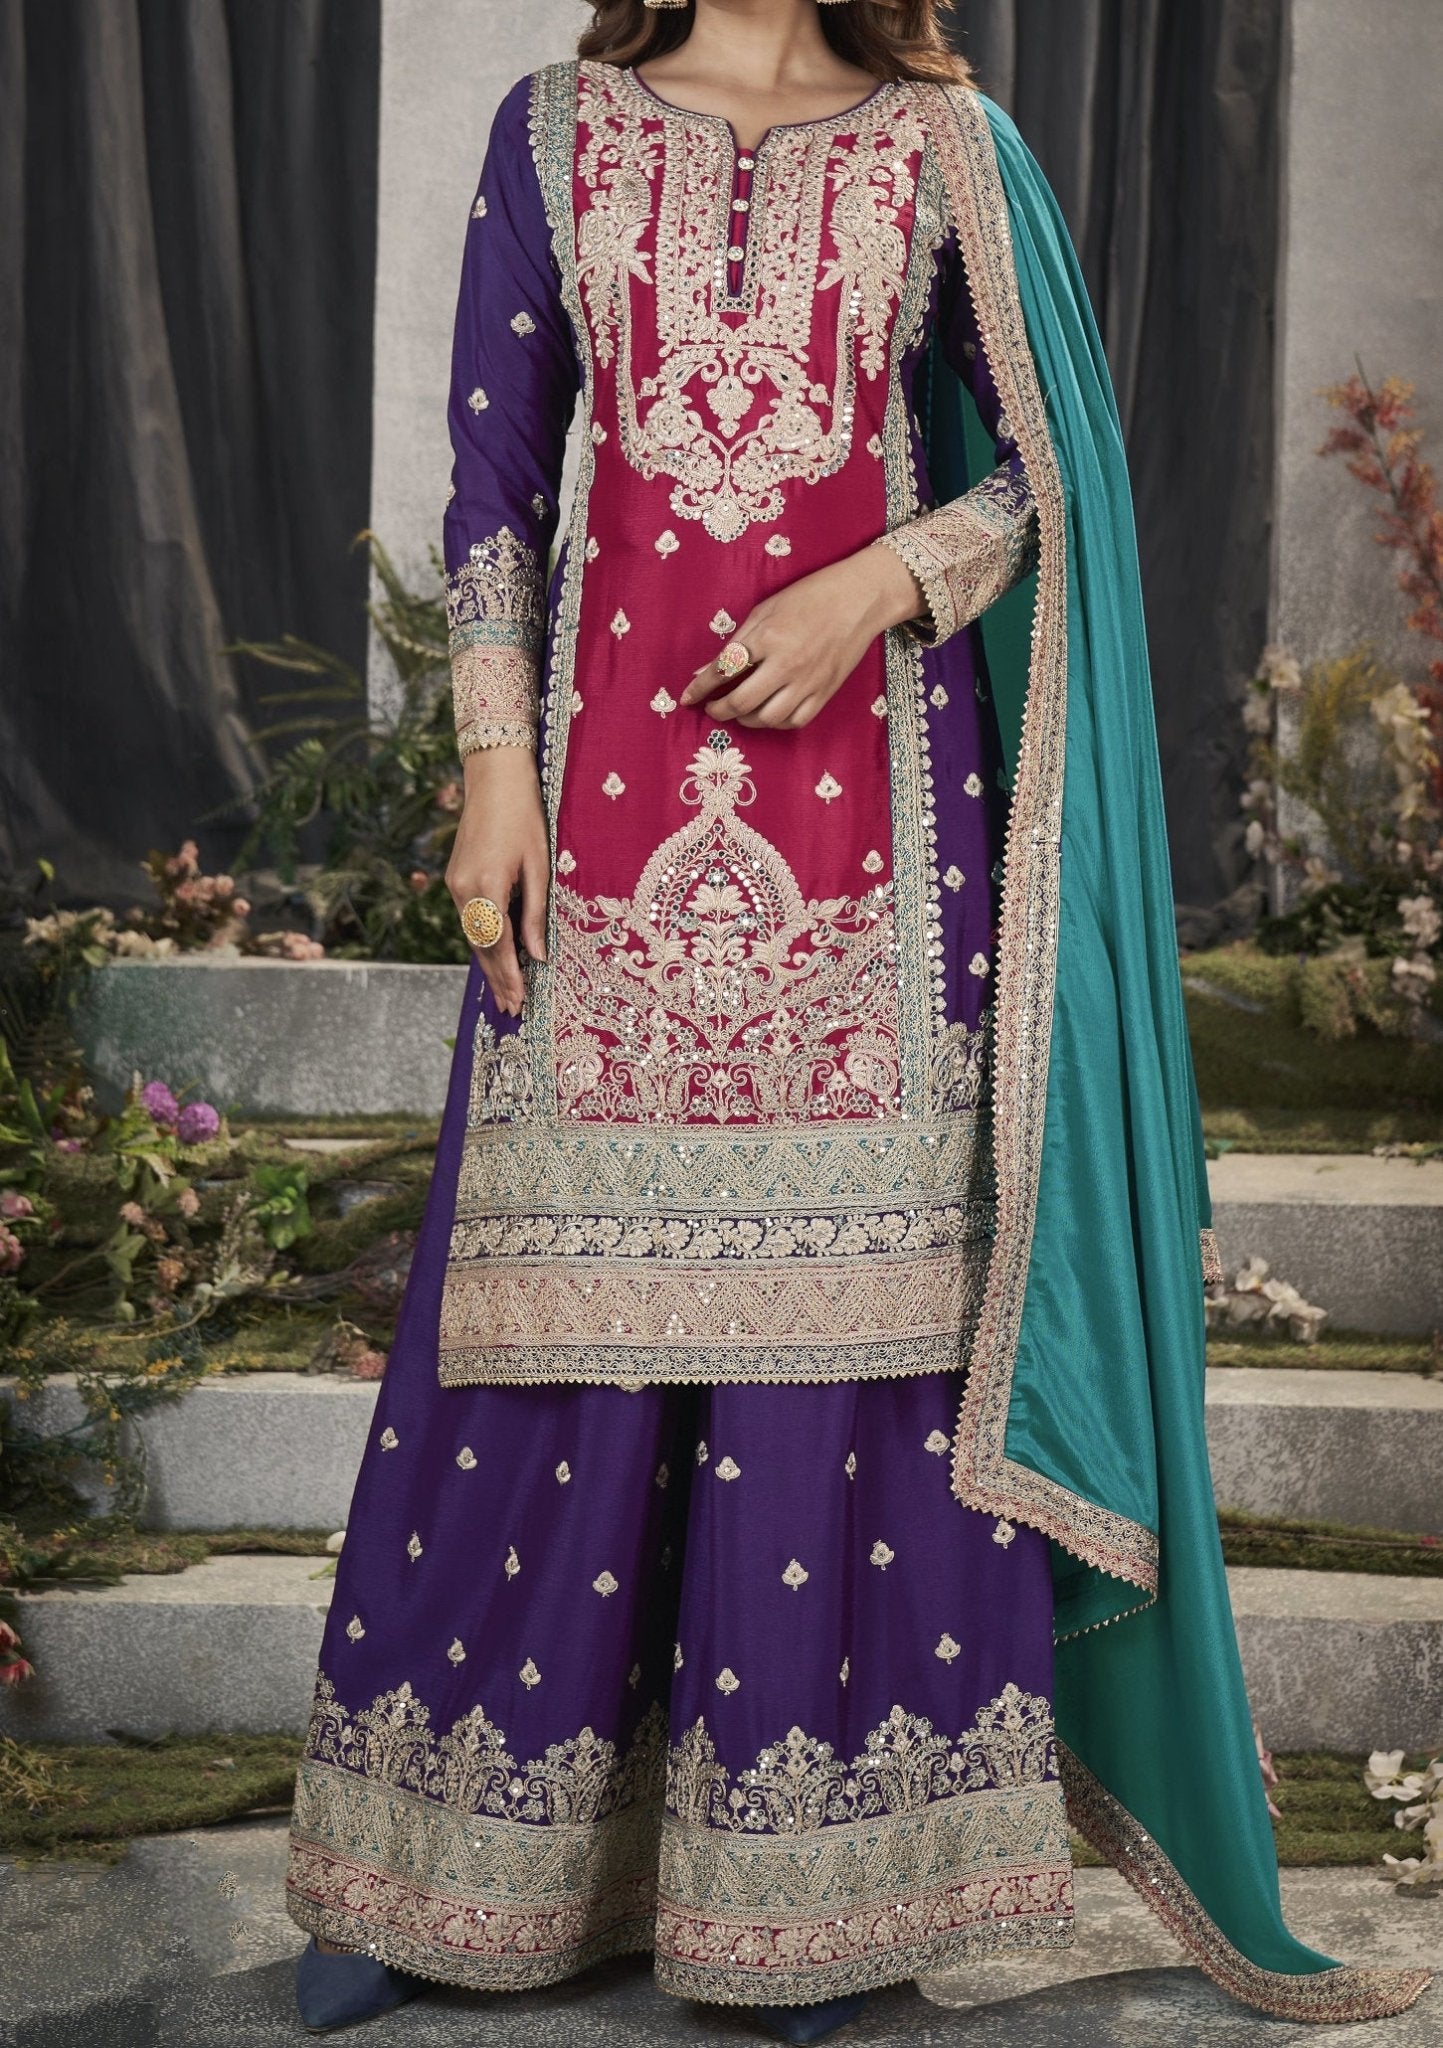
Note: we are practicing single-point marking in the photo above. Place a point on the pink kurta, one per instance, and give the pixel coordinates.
(739, 1134)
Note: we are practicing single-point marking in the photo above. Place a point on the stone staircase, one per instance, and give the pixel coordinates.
(1334, 1660)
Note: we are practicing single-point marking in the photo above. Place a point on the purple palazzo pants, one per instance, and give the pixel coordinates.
(725, 1672)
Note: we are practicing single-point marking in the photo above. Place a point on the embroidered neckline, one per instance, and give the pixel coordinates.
(822, 123)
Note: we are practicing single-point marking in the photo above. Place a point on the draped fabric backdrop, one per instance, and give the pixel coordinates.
(188, 191)
(1159, 128)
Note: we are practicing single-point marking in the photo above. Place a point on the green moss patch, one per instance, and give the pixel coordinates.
(1335, 1351)
(84, 1801)
(1327, 1546)
(1268, 1083)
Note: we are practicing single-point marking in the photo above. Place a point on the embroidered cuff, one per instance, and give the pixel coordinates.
(969, 552)
(495, 617)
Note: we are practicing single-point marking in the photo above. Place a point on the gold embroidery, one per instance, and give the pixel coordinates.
(967, 553)
(1340, 1994)
(728, 1469)
(1212, 1259)
(727, 1680)
(882, 1554)
(495, 616)
(983, 1475)
(466, 1458)
(853, 178)
(718, 992)
(413, 1546)
(814, 1874)
(529, 1675)
(795, 1575)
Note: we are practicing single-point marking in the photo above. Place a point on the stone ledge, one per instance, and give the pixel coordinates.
(281, 1450)
(1333, 1660)
(1361, 1237)
(277, 1037)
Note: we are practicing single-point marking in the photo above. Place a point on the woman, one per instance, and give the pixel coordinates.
(806, 1331)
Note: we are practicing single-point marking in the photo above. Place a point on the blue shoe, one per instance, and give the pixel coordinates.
(810, 2022)
(336, 1991)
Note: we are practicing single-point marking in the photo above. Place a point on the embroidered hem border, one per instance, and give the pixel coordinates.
(1337, 1995)
(982, 1474)
(632, 1860)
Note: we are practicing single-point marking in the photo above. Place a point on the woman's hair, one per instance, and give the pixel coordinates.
(889, 38)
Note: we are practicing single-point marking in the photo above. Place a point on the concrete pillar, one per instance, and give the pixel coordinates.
(445, 67)
(1362, 277)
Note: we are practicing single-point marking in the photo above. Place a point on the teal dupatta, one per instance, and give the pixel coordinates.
(1084, 1406)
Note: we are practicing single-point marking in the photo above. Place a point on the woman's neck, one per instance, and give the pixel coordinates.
(759, 62)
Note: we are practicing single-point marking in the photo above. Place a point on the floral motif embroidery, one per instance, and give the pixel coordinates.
(522, 323)
(967, 553)
(723, 623)
(662, 703)
(513, 1563)
(529, 1675)
(717, 991)
(828, 789)
(478, 211)
(872, 862)
(563, 1473)
(727, 1680)
(733, 411)
(613, 785)
(466, 1458)
(795, 1575)
(948, 1649)
(954, 877)
(778, 544)
(457, 1651)
(413, 1546)
(605, 1583)
(620, 623)
(478, 401)
(728, 1469)
(937, 1442)
(565, 862)
(354, 1629)
(389, 1439)
(882, 1554)
(592, 548)
(667, 543)
(495, 617)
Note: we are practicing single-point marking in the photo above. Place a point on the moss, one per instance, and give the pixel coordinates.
(103, 1549)
(1265, 1080)
(1301, 1545)
(1335, 1351)
(93, 1797)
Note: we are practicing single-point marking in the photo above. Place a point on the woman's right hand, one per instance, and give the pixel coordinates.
(502, 839)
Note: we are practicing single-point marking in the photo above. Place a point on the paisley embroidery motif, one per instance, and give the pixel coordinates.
(717, 992)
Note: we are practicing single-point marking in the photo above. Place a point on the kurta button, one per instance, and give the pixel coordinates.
(739, 206)
(744, 163)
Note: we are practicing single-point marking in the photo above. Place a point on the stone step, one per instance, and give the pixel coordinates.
(1333, 1660)
(280, 1450)
(1358, 1236)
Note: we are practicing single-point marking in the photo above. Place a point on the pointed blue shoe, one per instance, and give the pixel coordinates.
(339, 1990)
(810, 2022)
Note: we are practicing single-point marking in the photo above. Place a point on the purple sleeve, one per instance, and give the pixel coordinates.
(514, 379)
(968, 552)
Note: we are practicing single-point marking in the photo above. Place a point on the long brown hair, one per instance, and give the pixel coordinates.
(889, 38)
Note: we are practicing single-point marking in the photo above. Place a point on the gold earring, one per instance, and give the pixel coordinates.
(664, 3)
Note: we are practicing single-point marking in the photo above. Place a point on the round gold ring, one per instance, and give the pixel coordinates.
(733, 659)
(482, 922)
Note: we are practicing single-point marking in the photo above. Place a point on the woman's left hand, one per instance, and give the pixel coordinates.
(806, 639)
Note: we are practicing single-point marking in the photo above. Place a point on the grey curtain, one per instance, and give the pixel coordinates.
(1158, 126)
(187, 192)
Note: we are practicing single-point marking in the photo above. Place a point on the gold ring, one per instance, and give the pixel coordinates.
(733, 659)
(482, 922)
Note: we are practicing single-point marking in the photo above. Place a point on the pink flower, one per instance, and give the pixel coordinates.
(70, 1144)
(8, 1638)
(197, 1123)
(16, 1671)
(188, 1202)
(241, 906)
(368, 1364)
(133, 1214)
(159, 1103)
(13, 1205)
(12, 1252)
(186, 862)
(420, 881)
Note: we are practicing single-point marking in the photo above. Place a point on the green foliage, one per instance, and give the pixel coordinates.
(385, 795)
(1302, 1545)
(282, 1211)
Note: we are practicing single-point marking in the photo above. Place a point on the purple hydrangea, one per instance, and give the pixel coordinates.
(197, 1123)
(159, 1104)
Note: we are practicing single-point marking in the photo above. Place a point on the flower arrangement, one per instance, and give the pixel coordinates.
(1423, 1790)
(1361, 748)
(1275, 1306)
